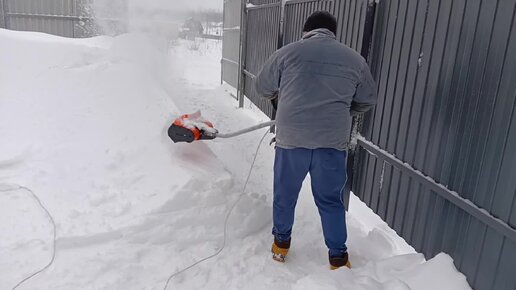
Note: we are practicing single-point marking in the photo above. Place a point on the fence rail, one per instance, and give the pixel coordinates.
(46, 16)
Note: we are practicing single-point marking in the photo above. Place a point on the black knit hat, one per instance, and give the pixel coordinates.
(321, 19)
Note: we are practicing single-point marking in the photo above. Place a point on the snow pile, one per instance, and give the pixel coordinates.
(83, 124)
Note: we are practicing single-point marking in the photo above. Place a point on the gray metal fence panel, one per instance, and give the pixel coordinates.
(55, 16)
(231, 42)
(447, 102)
(2, 15)
(263, 38)
(355, 23)
(60, 17)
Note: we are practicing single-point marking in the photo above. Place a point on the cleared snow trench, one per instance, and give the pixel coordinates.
(83, 124)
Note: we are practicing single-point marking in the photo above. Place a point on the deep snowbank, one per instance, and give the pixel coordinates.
(82, 123)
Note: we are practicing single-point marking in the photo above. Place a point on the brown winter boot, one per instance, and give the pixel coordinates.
(280, 250)
(339, 262)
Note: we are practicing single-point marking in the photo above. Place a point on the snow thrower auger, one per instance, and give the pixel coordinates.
(193, 127)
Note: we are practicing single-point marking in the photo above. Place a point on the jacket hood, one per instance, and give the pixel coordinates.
(320, 32)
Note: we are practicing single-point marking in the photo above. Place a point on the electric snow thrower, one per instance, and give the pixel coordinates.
(193, 127)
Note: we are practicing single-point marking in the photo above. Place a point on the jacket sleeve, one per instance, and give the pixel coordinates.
(365, 97)
(268, 80)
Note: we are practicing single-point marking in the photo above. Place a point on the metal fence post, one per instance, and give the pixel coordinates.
(368, 29)
(224, 7)
(74, 23)
(242, 54)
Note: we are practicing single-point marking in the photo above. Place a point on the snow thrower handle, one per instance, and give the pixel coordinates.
(247, 130)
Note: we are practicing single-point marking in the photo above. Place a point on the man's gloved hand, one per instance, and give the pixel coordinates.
(358, 108)
(274, 101)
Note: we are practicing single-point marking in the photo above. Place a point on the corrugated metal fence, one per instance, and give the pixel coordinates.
(60, 17)
(447, 91)
(438, 156)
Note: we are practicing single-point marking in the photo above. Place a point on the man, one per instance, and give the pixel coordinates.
(319, 84)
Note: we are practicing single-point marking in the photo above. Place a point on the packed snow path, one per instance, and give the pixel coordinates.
(83, 124)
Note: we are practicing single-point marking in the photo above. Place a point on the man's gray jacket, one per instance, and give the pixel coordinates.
(320, 84)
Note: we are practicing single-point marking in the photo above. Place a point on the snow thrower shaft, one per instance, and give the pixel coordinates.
(192, 127)
(247, 130)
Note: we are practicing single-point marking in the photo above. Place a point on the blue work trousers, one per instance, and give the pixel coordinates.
(327, 168)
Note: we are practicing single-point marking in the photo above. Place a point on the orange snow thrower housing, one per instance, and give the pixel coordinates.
(190, 128)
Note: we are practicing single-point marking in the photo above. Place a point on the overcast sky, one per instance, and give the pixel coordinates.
(180, 4)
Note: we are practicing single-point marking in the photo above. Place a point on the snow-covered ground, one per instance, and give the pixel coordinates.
(83, 125)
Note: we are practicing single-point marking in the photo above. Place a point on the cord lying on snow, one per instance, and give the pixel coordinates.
(225, 221)
(14, 187)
